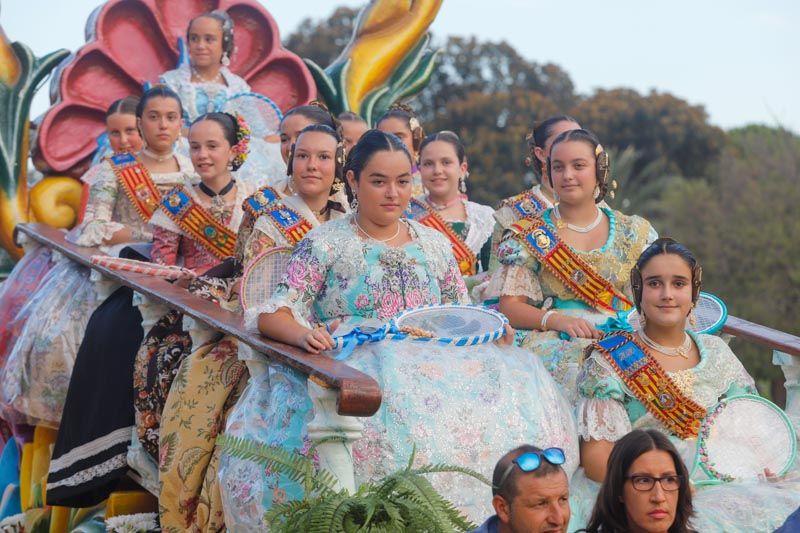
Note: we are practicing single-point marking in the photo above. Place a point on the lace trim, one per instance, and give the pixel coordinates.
(91, 448)
(251, 315)
(481, 225)
(513, 280)
(96, 232)
(84, 476)
(602, 419)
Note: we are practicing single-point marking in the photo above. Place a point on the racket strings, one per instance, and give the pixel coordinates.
(263, 277)
(452, 322)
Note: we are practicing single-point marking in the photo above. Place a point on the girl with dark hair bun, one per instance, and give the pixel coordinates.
(367, 267)
(218, 144)
(205, 81)
(561, 299)
(402, 121)
(123, 194)
(469, 226)
(206, 84)
(539, 197)
(693, 372)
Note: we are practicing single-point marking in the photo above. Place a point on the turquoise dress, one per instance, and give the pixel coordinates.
(462, 406)
(608, 410)
(521, 274)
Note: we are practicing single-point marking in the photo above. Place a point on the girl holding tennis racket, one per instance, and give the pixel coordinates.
(464, 405)
(666, 378)
(566, 272)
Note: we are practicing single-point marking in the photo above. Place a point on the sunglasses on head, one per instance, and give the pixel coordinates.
(530, 461)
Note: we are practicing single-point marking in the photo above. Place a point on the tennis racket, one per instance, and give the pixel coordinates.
(171, 272)
(449, 324)
(262, 114)
(262, 275)
(711, 314)
(740, 437)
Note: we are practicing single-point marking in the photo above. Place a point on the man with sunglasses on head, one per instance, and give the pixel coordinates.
(530, 492)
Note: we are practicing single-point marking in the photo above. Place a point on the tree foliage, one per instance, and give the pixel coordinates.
(742, 222)
(323, 40)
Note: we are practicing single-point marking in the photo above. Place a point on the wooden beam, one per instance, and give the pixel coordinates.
(763, 335)
(358, 393)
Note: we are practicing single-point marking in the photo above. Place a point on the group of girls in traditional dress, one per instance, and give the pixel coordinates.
(378, 222)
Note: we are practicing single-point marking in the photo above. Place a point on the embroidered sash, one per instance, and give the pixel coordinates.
(198, 223)
(575, 273)
(137, 184)
(289, 222)
(425, 215)
(525, 205)
(651, 385)
(256, 204)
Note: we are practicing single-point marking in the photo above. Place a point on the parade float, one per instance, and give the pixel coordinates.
(129, 44)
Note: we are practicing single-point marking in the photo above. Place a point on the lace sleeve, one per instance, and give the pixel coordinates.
(600, 411)
(97, 226)
(305, 276)
(165, 246)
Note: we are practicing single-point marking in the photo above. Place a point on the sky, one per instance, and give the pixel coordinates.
(740, 59)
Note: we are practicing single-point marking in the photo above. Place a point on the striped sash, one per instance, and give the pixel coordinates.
(198, 223)
(137, 183)
(651, 385)
(425, 215)
(575, 273)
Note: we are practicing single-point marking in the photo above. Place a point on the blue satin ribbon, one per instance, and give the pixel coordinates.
(358, 336)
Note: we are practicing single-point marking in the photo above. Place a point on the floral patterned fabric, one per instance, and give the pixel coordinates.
(109, 209)
(36, 374)
(207, 384)
(607, 410)
(463, 406)
(521, 274)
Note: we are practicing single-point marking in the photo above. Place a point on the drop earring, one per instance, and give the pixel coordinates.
(354, 204)
(226, 61)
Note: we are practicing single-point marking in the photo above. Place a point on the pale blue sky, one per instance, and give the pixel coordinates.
(738, 58)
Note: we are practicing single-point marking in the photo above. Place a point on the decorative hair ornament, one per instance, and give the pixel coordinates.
(242, 146)
(413, 123)
(602, 162)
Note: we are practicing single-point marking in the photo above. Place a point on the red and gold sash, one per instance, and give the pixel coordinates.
(650, 384)
(575, 273)
(528, 204)
(198, 223)
(427, 216)
(292, 225)
(137, 184)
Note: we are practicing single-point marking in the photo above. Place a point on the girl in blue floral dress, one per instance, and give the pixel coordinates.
(464, 406)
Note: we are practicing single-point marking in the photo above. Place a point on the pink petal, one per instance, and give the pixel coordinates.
(286, 80)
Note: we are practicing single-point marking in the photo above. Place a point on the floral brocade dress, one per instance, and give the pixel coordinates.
(521, 274)
(462, 406)
(608, 410)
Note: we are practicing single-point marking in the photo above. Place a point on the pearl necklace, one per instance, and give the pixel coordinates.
(580, 229)
(216, 79)
(677, 351)
(442, 207)
(155, 157)
(365, 232)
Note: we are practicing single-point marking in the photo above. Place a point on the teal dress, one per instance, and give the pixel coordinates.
(462, 406)
(608, 410)
(521, 274)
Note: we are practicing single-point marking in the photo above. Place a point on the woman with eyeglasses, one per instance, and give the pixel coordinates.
(646, 489)
(691, 374)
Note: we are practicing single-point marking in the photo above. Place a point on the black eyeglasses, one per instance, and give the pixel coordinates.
(646, 483)
(530, 461)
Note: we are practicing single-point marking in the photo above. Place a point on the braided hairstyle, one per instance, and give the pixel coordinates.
(602, 162)
(406, 113)
(665, 245)
(225, 21)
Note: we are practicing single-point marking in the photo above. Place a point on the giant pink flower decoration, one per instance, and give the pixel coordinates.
(133, 41)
